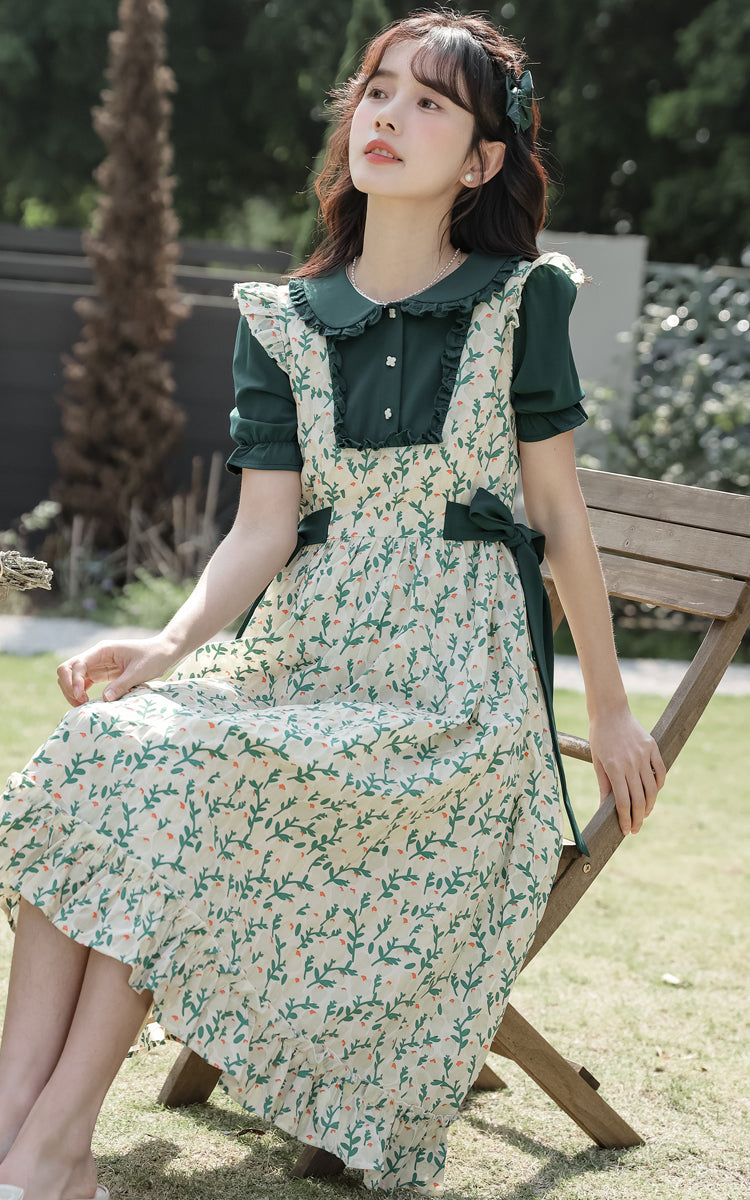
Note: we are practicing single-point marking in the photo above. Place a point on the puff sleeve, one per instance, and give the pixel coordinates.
(263, 422)
(545, 391)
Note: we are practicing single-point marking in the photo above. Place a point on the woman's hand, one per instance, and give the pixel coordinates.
(628, 763)
(125, 664)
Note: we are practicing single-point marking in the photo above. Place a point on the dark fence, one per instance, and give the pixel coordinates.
(42, 273)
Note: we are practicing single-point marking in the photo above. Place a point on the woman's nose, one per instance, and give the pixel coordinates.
(386, 118)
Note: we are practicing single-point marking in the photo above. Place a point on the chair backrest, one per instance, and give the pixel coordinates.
(679, 547)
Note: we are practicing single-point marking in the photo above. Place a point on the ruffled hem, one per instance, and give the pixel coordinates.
(537, 427)
(463, 307)
(70, 871)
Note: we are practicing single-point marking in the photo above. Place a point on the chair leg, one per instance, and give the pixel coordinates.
(487, 1081)
(313, 1162)
(566, 1083)
(190, 1081)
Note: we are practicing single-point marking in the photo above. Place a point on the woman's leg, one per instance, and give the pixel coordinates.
(45, 982)
(51, 1156)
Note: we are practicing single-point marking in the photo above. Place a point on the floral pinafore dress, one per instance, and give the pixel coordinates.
(326, 846)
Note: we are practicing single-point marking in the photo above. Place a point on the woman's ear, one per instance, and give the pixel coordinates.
(484, 163)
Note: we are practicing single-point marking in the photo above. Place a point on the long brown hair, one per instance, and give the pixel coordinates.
(467, 60)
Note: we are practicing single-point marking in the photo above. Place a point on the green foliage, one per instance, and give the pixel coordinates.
(149, 601)
(690, 418)
(645, 107)
(706, 120)
(52, 59)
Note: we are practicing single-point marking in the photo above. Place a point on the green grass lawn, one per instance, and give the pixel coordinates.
(672, 1057)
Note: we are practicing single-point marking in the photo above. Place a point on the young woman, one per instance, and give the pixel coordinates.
(322, 851)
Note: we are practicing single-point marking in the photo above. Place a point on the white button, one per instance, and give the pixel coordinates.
(388, 414)
(391, 312)
(390, 361)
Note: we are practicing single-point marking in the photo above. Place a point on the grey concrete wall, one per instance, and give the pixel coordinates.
(607, 307)
(38, 325)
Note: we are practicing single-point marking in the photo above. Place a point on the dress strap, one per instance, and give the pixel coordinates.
(487, 518)
(510, 300)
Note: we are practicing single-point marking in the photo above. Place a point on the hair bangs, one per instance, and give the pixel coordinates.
(447, 60)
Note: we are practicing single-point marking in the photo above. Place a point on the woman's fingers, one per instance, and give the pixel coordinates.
(123, 665)
(634, 773)
(74, 680)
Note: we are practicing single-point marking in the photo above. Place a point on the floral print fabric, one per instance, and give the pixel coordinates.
(326, 847)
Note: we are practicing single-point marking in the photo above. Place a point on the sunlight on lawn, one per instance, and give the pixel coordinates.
(645, 985)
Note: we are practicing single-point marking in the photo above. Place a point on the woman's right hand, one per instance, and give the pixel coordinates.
(125, 664)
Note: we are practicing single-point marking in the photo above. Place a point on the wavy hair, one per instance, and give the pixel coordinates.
(468, 60)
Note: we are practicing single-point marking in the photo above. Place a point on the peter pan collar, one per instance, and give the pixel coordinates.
(331, 305)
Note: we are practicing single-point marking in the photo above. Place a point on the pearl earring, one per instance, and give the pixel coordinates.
(469, 177)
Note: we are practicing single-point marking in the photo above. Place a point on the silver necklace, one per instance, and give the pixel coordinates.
(353, 281)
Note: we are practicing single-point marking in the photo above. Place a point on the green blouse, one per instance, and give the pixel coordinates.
(393, 367)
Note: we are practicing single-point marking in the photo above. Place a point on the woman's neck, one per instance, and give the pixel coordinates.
(403, 250)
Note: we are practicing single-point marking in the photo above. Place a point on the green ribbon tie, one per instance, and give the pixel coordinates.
(488, 513)
(519, 101)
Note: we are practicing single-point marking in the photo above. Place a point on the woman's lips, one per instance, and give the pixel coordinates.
(380, 152)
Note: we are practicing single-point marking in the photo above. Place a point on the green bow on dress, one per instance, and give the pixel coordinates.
(488, 515)
(520, 98)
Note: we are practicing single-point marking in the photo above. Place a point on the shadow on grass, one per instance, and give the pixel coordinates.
(554, 1165)
(146, 1171)
(265, 1171)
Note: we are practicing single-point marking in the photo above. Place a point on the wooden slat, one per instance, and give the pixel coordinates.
(190, 1081)
(574, 747)
(701, 680)
(518, 1040)
(672, 587)
(675, 545)
(726, 512)
(313, 1163)
(487, 1081)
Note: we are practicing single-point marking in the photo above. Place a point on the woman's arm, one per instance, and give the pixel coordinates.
(258, 545)
(626, 758)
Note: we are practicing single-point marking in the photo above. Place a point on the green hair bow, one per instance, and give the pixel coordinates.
(520, 97)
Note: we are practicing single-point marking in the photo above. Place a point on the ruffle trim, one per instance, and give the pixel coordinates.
(552, 258)
(450, 360)
(304, 309)
(414, 306)
(537, 427)
(259, 305)
(172, 949)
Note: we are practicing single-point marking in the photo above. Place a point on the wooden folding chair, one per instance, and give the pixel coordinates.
(679, 547)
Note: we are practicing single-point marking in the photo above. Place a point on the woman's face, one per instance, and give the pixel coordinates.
(407, 141)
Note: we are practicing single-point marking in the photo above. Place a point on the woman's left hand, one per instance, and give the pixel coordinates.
(628, 763)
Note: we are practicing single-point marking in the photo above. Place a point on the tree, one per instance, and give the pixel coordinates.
(250, 113)
(705, 200)
(119, 418)
(367, 17)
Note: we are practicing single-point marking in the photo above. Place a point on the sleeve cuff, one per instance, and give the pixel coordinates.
(265, 456)
(537, 427)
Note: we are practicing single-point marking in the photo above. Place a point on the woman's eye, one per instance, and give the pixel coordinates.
(375, 93)
(426, 101)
